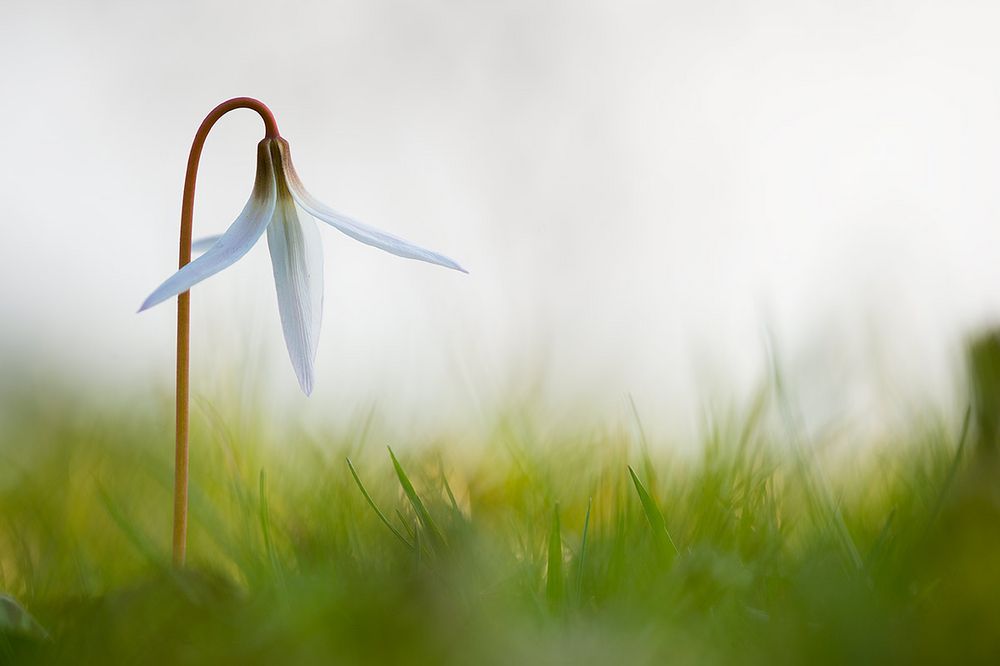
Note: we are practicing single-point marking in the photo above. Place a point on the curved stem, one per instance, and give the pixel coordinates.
(184, 312)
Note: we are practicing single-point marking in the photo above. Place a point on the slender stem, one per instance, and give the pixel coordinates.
(184, 312)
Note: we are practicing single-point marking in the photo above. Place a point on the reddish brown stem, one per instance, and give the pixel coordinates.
(184, 312)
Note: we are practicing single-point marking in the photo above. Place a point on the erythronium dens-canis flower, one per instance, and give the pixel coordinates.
(280, 206)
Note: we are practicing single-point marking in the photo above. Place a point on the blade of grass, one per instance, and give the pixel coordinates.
(142, 543)
(418, 505)
(371, 503)
(447, 489)
(879, 546)
(410, 531)
(416, 543)
(582, 560)
(952, 470)
(647, 461)
(554, 583)
(265, 527)
(661, 537)
(362, 439)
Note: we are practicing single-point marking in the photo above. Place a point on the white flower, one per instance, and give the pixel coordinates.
(276, 206)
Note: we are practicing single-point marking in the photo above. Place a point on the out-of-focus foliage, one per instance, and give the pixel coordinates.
(762, 549)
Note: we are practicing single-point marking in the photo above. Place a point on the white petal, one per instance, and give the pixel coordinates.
(297, 259)
(203, 244)
(353, 228)
(237, 240)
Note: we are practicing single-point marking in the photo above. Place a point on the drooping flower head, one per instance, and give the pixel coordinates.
(281, 206)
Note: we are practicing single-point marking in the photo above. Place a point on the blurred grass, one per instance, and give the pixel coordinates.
(524, 546)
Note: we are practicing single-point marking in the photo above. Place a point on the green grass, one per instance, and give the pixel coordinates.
(522, 545)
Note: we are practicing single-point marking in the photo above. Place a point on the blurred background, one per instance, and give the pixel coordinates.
(654, 199)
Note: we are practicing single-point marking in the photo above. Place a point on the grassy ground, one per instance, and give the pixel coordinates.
(527, 547)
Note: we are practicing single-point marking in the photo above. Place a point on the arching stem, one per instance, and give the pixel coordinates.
(184, 313)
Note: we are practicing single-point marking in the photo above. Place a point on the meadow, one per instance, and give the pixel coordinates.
(528, 544)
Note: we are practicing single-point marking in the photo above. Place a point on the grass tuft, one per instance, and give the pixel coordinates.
(371, 503)
(287, 566)
(437, 537)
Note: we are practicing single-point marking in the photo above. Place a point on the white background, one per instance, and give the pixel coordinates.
(640, 191)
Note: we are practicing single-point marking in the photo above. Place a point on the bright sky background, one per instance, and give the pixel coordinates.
(639, 189)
